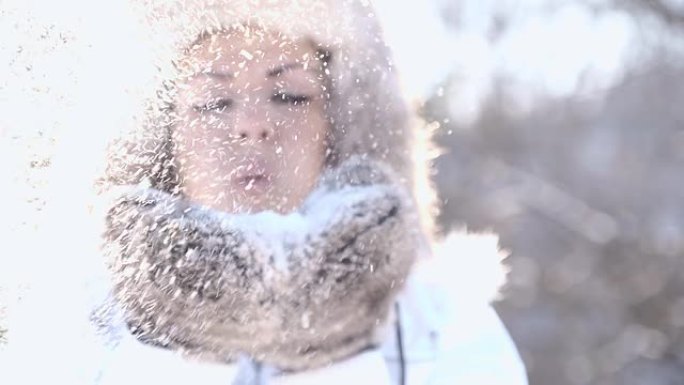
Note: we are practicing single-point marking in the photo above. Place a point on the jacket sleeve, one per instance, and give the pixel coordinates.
(260, 284)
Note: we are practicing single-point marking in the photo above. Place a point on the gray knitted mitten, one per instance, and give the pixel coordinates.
(295, 291)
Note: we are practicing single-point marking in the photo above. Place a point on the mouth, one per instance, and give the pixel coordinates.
(256, 182)
(252, 178)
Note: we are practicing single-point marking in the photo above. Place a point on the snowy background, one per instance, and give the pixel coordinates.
(561, 128)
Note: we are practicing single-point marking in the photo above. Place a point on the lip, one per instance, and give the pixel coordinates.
(255, 183)
(252, 177)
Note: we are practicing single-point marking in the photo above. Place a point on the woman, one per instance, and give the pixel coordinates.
(271, 221)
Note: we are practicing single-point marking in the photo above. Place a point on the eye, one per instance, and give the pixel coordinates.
(281, 97)
(217, 105)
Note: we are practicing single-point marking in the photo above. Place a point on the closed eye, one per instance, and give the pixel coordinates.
(217, 105)
(290, 99)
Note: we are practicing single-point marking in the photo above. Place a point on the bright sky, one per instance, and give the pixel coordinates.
(546, 52)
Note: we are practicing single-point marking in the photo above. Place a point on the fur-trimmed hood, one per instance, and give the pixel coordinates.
(369, 115)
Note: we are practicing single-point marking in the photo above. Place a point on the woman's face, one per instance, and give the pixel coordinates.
(251, 123)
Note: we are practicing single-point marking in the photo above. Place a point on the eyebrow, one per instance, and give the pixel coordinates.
(273, 72)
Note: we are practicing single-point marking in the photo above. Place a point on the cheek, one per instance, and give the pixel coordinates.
(212, 127)
(302, 127)
(304, 149)
(207, 133)
(200, 158)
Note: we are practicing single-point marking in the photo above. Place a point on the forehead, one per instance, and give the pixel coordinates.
(243, 50)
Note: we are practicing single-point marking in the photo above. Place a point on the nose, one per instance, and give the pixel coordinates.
(253, 124)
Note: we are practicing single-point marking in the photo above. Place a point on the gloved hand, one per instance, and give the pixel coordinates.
(296, 291)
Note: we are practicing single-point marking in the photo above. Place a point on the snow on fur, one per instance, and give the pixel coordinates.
(217, 285)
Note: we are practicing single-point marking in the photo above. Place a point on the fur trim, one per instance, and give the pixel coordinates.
(469, 266)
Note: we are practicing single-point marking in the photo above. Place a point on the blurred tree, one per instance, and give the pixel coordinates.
(584, 189)
(669, 11)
